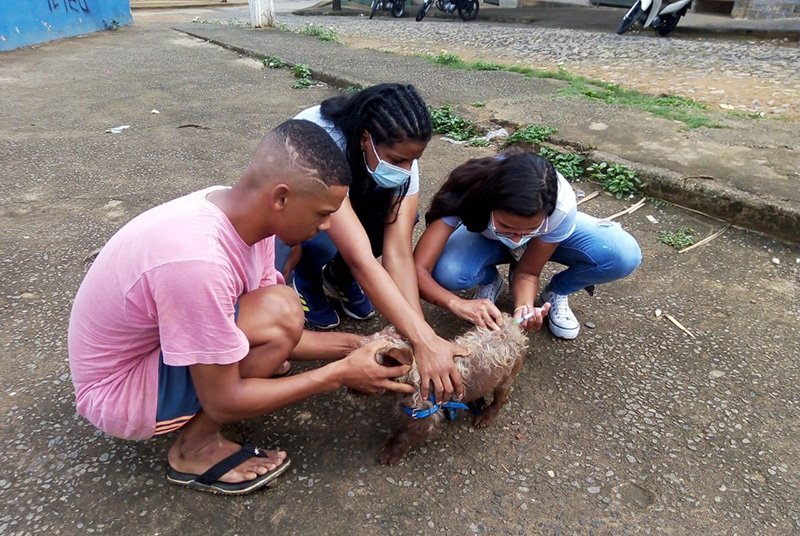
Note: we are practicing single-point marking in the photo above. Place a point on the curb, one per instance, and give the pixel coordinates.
(715, 200)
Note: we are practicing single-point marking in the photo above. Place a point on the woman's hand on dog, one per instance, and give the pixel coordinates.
(482, 313)
(360, 371)
(437, 369)
(536, 316)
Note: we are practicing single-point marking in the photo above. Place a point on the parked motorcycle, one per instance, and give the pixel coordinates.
(397, 7)
(467, 9)
(662, 16)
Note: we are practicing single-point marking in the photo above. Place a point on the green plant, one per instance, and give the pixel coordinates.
(568, 164)
(533, 134)
(486, 66)
(615, 178)
(447, 58)
(274, 62)
(303, 75)
(324, 34)
(447, 122)
(478, 142)
(678, 239)
(659, 202)
(479, 104)
(113, 25)
(301, 70)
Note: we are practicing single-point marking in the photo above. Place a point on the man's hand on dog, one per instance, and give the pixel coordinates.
(482, 313)
(360, 371)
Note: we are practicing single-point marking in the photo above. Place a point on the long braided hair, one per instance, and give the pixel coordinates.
(522, 184)
(391, 113)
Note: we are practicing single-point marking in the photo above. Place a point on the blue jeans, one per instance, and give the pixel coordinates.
(321, 250)
(593, 254)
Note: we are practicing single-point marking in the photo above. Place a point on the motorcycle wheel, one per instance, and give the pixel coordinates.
(668, 24)
(375, 5)
(630, 18)
(398, 8)
(423, 9)
(469, 10)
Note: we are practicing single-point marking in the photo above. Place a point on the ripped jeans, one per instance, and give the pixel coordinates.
(593, 254)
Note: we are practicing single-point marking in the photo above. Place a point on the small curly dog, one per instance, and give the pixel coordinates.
(494, 361)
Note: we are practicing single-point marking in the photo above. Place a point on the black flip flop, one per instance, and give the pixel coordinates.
(282, 374)
(209, 481)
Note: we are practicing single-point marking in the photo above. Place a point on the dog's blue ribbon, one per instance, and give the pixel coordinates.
(450, 408)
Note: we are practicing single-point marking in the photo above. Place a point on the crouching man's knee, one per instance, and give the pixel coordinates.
(271, 315)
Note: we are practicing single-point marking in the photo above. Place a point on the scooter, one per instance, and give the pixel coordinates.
(662, 16)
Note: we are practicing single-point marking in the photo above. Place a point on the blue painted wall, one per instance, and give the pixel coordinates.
(27, 22)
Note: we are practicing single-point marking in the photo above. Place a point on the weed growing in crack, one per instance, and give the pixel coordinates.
(320, 32)
(615, 178)
(532, 134)
(568, 164)
(679, 239)
(447, 122)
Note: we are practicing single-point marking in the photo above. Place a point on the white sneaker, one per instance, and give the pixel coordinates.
(490, 291)
(561, 320)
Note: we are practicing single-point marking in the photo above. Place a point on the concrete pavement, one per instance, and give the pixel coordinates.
(633, 428)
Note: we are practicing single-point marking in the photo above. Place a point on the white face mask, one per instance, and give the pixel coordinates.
(524, 238)
(386, 175)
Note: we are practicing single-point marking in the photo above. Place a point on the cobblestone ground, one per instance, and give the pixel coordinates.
(750, 76)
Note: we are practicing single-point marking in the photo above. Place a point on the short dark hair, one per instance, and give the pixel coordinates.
(522, 184)
(310, 146)
(391, 113)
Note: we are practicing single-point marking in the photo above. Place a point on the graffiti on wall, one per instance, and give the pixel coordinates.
(45, 20)
(77, 6)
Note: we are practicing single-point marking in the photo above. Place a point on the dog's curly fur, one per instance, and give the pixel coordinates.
(494, 361)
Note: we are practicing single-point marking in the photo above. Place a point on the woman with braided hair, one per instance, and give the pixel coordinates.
(515, 208)
(382, 130)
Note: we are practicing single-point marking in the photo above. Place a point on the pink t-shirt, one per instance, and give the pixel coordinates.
(166, 282)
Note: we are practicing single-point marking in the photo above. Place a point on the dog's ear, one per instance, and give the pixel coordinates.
(398, 356)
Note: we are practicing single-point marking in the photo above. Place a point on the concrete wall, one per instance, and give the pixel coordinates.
(766, 9)
(27, 22)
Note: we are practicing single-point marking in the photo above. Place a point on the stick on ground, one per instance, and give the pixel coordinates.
(630, 210)
(706, 239)
(680, 326)
(588, 197)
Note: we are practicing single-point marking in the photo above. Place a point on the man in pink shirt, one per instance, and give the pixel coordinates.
(182, 321)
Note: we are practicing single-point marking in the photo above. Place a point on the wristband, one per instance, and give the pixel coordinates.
(521, 307)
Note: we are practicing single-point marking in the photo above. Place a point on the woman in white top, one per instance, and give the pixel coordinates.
(382, 130)
(515, 208)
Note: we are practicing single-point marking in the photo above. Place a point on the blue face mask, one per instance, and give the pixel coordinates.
(386, 175)
(524, 239)
(507, 242)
